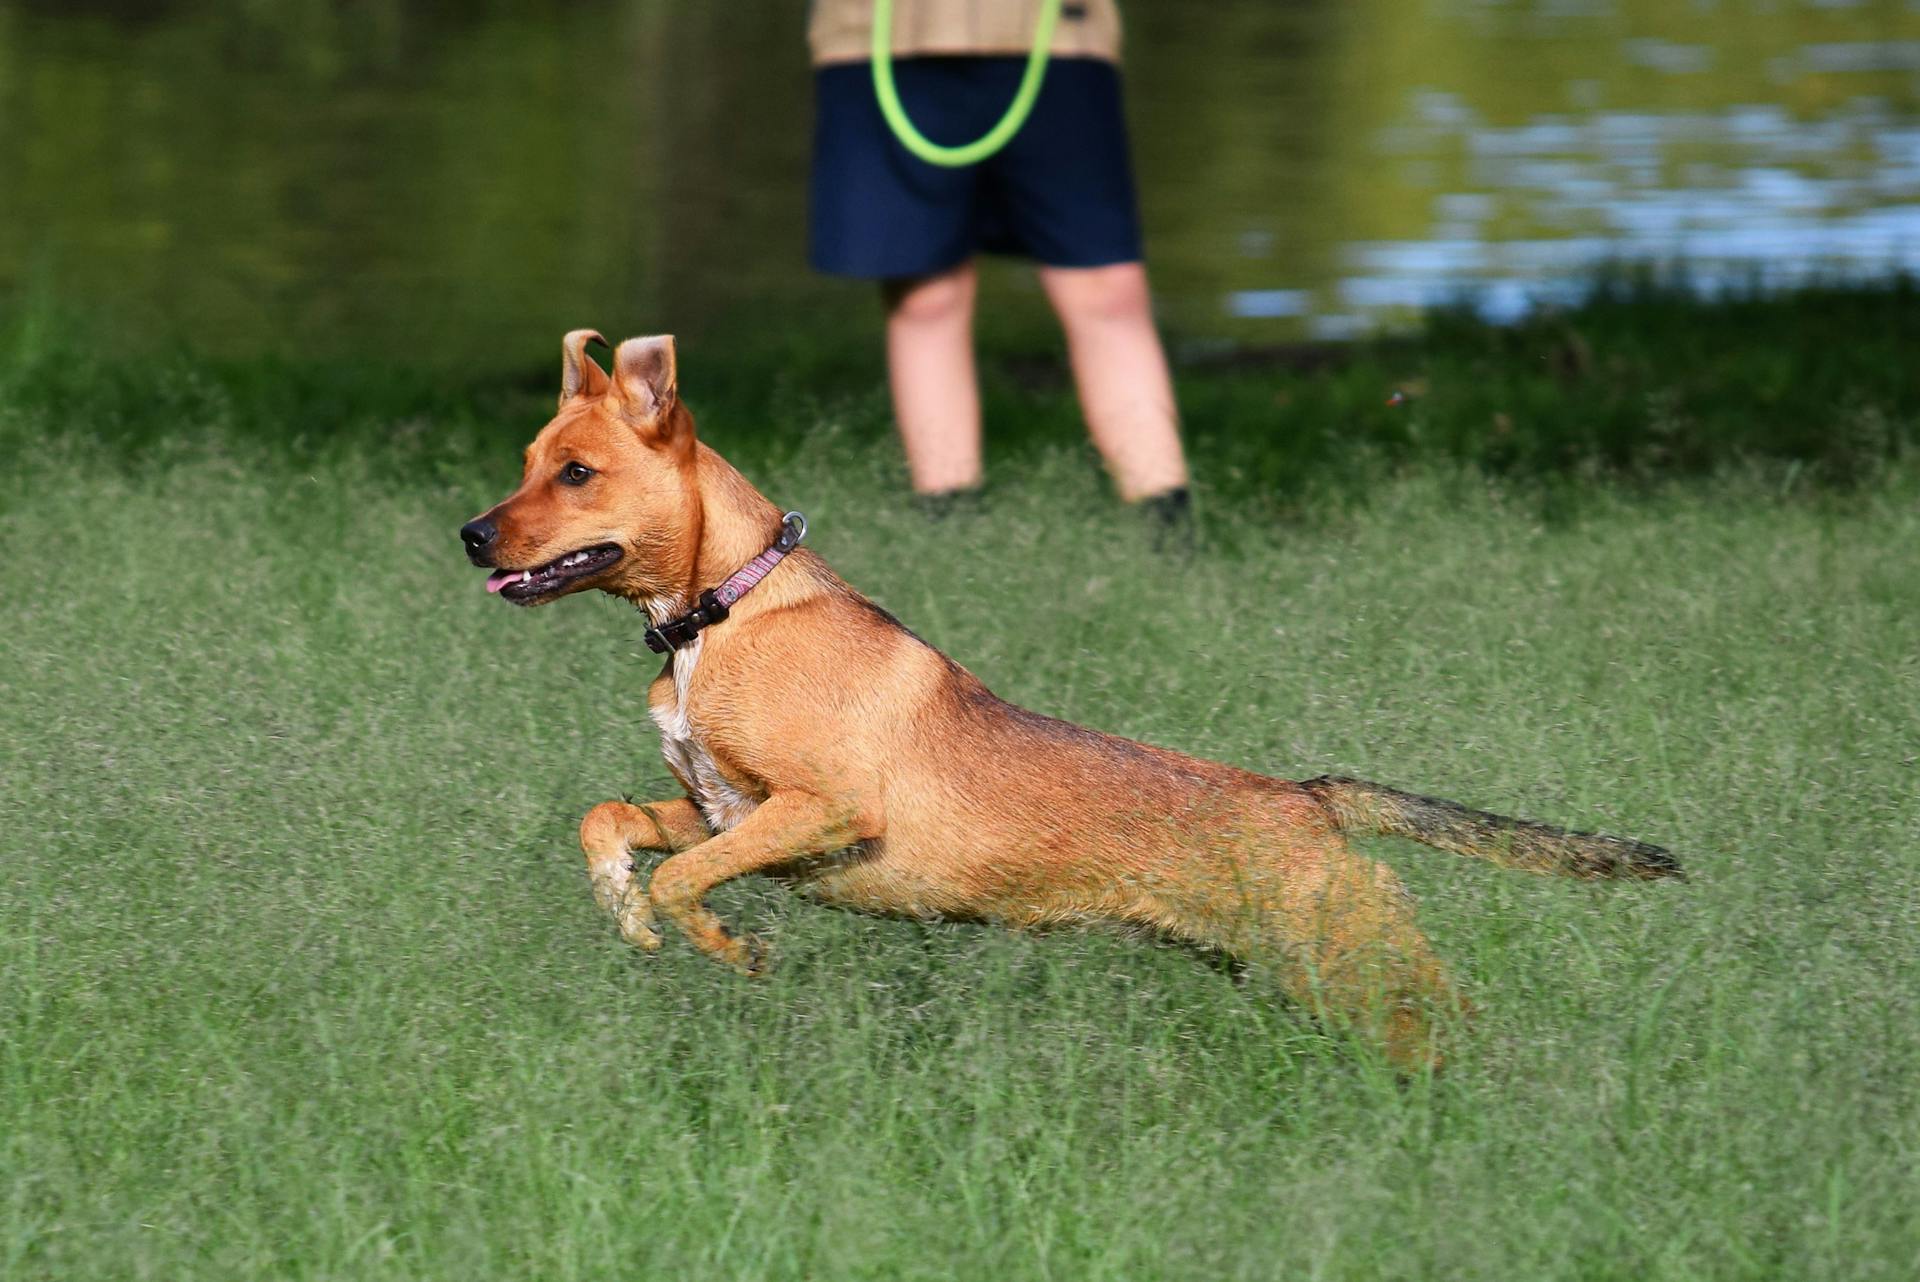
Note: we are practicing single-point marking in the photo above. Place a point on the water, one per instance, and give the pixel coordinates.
(303, 175)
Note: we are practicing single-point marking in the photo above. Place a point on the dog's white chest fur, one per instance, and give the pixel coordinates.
(719, 799)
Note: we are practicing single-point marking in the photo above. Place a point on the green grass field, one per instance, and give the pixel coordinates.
(300, 976)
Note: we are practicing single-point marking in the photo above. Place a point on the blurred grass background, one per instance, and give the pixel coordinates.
(1640, 382)
(300, 977)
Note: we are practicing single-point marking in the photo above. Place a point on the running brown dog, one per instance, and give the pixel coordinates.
(821, 742)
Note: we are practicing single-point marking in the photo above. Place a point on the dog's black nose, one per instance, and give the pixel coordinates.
(477, 534)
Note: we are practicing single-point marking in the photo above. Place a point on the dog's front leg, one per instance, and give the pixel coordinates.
(786, 826)
(610, 834)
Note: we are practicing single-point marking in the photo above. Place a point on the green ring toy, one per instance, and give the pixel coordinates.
(991, 141)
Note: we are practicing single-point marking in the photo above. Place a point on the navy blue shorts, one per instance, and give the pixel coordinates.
(1060, 193)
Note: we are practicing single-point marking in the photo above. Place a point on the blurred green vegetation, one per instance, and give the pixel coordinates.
(1638, 384)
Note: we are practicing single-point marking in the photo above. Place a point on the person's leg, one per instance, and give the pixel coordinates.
(930, 365)
(1121, 372)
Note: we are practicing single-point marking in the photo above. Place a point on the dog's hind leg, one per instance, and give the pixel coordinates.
(1364, 962)
(609, 835)
(1340, 930)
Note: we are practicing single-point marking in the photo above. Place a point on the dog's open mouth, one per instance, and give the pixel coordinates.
(525, 586)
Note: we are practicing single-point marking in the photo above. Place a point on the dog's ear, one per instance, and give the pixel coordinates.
(580, 374)
(644, 382)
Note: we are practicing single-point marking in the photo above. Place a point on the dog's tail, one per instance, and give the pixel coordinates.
(1371, 809)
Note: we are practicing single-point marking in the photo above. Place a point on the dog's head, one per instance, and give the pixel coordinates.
(607, 498)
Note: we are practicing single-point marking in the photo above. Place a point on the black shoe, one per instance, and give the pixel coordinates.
(1170, 515)
(942, 504)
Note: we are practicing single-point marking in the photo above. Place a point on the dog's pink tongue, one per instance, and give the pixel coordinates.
(500, 578)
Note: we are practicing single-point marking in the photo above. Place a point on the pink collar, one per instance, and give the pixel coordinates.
(715, 603)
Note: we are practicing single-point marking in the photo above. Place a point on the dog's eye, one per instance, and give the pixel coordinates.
(575, 474)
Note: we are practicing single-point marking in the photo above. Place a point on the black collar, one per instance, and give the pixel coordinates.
(717, 603)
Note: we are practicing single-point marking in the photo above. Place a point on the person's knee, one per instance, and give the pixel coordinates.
(931, 299)
(1117, 293)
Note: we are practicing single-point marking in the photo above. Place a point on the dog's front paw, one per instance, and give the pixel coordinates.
(614, 887)
(749, 955)
(636, 927)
